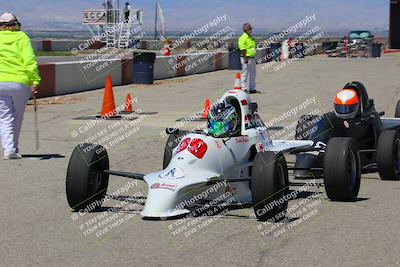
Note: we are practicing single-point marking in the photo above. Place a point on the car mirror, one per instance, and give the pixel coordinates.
(172, 131)
(253, 107)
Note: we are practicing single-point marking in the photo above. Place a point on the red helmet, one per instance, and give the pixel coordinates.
(347, 104)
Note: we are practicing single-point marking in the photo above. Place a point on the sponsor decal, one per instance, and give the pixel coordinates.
(242, 140)
(218, 144)
(320, 144)
(173, 173)
(195, 146)
(171, 187)
(260, 147)
(346, 124)
(198, 148)
(155, 186)
(183, 145)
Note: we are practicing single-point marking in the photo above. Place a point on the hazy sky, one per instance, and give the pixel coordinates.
(184, 14)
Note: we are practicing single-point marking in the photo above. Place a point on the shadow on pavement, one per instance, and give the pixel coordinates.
(43, 156)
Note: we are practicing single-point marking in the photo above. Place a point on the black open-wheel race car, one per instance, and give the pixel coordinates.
(364, 142)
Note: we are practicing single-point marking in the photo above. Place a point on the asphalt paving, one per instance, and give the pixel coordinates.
(39, 228)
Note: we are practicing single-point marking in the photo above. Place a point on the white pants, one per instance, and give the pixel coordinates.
(13, 99)
(248, 74)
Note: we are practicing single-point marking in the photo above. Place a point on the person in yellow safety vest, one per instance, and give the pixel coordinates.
(19, 78)
(247, 47)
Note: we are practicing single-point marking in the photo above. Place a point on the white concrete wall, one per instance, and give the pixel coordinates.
(72, 77)
(64, 45)
(37, 45)
(76, 76)
(163, 69)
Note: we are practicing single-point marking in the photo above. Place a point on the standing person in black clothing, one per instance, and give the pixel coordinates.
(127, 11)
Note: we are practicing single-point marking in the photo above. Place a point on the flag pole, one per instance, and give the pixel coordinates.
(155, 22)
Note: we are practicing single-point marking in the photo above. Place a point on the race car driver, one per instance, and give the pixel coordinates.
(347, 104)
(223, 121)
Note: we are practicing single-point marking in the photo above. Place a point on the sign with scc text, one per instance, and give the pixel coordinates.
(95, 16)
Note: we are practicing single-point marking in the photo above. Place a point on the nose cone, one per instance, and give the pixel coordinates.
(162, 197)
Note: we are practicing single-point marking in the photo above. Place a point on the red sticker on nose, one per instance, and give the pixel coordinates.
(184, 144)
(198, 148)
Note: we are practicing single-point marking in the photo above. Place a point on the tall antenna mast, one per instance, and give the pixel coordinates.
(156, 22)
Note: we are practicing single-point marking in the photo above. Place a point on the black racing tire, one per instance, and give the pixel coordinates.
(342, 169)
(269, 185)
(304, 127)
(388, 155)
(397, 111)
(172, 142)
(86, 183)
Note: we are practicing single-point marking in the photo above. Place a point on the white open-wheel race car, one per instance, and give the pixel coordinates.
(247, 163)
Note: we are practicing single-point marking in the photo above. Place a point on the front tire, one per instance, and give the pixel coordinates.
(269, 185)
(397, 111)
(388, 155)
(342, 171)
(86, 183)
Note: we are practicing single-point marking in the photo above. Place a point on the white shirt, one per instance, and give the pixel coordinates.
(127, 8)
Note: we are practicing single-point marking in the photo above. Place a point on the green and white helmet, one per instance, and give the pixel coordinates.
(223, 121)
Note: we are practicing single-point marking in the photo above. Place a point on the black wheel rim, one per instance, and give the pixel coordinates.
(95, 181)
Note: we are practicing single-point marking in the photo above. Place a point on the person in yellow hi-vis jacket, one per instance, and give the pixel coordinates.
(247, 47)
(19, 78)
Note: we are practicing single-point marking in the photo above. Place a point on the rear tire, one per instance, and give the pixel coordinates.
(342, 171)
(397, 111)
(86, 184)
(172, 142)
(269, 185)
(388, 155)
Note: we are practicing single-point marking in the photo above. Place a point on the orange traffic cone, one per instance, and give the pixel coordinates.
(206, 109)
(108, 107)
(128, 104)
(238, 83)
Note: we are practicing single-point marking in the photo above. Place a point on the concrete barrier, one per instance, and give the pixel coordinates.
(67, 45)
(62, 45)
(77, 76)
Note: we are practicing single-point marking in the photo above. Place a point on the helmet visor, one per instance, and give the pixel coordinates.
(345, 109)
